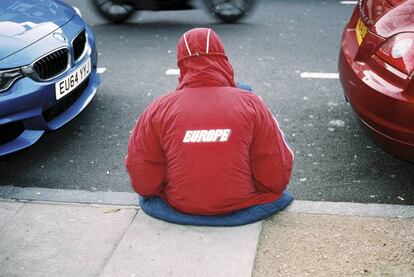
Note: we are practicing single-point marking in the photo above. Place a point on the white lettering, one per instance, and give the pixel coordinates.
(194, 136)
(187, 136)
(218, 134)
(203, 135)
(210, 135)
(226, 135)
(213, 135)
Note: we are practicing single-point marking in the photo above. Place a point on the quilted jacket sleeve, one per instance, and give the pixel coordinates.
(145, 161)
(270, 157)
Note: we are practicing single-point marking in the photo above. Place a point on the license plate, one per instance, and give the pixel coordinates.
(68, 84)
(361, 31)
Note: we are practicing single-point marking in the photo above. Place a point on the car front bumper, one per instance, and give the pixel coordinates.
(29, 108)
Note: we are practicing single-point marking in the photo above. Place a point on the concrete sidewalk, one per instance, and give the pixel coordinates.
(41, 238)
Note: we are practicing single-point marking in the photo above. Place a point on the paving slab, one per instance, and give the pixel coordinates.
(61, 240)
(155, 248)
(7, 211)
(296, 244)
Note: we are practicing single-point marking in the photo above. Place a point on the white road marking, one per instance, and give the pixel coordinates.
(319, 75)
(101, 70)
(172, 71)
(348, 2)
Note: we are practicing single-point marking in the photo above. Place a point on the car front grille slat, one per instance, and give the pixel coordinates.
(52, 61)
(47, 65)
(48, 61)
(52, 65)
(79, 44)
(55, 64)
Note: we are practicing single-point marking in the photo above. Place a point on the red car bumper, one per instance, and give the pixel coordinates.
(382, 98)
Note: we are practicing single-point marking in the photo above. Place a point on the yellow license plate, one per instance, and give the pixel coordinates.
(361, 30)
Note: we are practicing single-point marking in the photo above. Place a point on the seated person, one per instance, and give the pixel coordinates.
(208, 153)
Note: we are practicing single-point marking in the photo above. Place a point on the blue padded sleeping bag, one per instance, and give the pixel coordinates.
(158, 208)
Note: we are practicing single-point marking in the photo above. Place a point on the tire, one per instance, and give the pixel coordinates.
(116, 11)
(229, 10)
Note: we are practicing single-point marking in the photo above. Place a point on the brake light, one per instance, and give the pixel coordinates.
(398, 51)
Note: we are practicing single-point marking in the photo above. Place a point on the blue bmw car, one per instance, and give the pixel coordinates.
(48, 69)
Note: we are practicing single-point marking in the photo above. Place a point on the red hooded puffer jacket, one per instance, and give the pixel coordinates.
(208, 148)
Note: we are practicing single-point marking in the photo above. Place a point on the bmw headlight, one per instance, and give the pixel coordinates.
(8, 77)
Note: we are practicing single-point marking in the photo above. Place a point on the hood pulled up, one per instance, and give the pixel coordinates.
(202, 60)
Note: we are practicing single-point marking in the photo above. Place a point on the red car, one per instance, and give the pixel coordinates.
(376, 68)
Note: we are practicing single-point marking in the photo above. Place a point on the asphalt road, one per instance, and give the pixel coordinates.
(335, 160)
